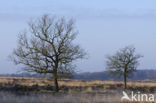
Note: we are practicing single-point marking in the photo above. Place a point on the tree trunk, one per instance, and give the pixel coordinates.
(125, 78)
(56, 81)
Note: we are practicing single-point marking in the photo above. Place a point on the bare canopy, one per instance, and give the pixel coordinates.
(124, 62)
(48, 47)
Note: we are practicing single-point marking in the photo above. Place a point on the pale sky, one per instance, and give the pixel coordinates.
(104, 27)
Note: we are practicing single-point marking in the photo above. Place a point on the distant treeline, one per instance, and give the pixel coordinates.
(138, 75)
(25, 74)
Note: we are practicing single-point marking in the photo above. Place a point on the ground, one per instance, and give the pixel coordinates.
(40, 90)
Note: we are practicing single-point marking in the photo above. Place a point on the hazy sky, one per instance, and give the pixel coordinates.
(104, 27)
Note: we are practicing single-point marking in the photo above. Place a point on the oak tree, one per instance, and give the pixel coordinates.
(47, 47)
(124, 62)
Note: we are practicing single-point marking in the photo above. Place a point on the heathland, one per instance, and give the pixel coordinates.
(40, 90)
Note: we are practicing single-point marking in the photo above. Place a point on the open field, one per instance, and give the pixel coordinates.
(8, 82)
(39, 90)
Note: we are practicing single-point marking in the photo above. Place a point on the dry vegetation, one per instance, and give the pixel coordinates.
(39, 90)
(146, 85)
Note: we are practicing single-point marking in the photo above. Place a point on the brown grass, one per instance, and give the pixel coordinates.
(72, 91)
(26, 81)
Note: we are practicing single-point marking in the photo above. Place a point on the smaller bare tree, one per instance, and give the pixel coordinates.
(124, 62)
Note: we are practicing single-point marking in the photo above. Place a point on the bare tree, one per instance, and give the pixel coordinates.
(48, 47)
(124, 62)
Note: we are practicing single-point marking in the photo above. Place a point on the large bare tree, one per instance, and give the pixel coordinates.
(124, 62)
(48, 47)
